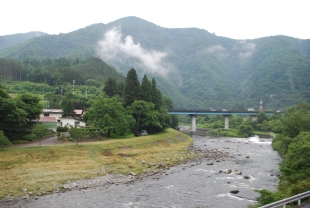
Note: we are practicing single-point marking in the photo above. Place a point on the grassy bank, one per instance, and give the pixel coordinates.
(45, 169)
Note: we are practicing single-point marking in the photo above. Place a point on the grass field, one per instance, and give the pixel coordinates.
(38, 169)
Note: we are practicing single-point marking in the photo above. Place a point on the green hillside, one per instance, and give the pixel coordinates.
(197, 69)
(7, 41)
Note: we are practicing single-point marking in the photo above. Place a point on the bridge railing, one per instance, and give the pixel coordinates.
(286, 201)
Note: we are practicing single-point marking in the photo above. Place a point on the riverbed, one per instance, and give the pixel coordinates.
(243, 166)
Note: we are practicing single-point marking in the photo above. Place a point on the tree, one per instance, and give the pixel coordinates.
(10, 113)
(145, 115)
(245, 130)
(281, 143)
(4, 142)
(261, 117)
(296, 165)
(68, 109)
(295, 121)
(110, 115)
(40, 131)
(168, 104)
(78, 133)
(146, 90)
(156, 95)
(110, 87)
(120, 88)
(131, 88)
(31, 105)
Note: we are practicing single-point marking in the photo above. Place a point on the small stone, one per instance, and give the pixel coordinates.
(246, 177)
(238, 172)
(234, 191)
(247, 157)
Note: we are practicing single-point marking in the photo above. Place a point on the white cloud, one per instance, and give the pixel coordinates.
(247, 49)
(219, 50)
(113, 49)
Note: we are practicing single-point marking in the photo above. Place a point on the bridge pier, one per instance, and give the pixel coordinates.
(193, 116)
(226, 121)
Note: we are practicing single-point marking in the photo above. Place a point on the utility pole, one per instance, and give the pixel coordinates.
(73, 85)
(86, 92)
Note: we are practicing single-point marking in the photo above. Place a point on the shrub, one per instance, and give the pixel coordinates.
(245, 130)
(30, 137)
(4, 142)
(62, 129)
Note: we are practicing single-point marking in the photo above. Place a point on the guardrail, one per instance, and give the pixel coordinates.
(286, 201)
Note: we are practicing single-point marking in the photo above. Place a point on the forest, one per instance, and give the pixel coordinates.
(119, 105)
(293, 143)
(197, 69)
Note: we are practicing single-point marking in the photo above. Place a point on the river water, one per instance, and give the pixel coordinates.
(194, 184)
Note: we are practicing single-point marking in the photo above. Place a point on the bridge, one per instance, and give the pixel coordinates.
(194, 113)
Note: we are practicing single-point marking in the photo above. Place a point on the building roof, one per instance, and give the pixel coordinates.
(78, 112)
(47, 119)
(52, 111)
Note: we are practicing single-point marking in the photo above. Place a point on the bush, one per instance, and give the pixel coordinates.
(30, 137)
(4, 142)
(245, 130)
(70, 138)
(40, 131)
(266, 197)
(62, 129)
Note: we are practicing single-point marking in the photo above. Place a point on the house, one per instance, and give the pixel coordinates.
(55, 115)
(49, 122)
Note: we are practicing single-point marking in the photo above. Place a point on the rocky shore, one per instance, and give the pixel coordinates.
(222, 160)
(107, 180)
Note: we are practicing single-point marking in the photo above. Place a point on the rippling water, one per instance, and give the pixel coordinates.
(194, 184)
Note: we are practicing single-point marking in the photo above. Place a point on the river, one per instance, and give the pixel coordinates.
(203, 183)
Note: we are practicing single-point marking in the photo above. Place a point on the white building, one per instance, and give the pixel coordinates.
(75, 121)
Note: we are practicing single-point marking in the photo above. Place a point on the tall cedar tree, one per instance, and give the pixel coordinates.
(131, 88)
(110, 87)
(146, 89)
(156, 95)
(120, 88)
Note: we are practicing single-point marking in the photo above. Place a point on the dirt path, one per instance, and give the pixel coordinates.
(53, 140)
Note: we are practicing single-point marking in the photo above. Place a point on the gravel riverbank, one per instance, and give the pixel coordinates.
(206, 181)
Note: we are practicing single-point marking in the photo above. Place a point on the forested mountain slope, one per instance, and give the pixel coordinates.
(7, 41)
(197, 69)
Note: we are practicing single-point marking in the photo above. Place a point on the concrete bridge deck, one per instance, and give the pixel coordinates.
(194, 113)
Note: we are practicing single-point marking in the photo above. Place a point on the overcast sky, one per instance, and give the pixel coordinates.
(237, 19)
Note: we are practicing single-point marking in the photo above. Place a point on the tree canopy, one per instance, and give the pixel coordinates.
(108, 114)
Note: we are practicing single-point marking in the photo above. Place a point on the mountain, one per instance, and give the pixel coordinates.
(7, 41)
(197, 69)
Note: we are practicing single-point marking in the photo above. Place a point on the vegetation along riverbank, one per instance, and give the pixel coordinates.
(37, 170)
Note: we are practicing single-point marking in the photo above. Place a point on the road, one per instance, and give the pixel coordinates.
(53, 140)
